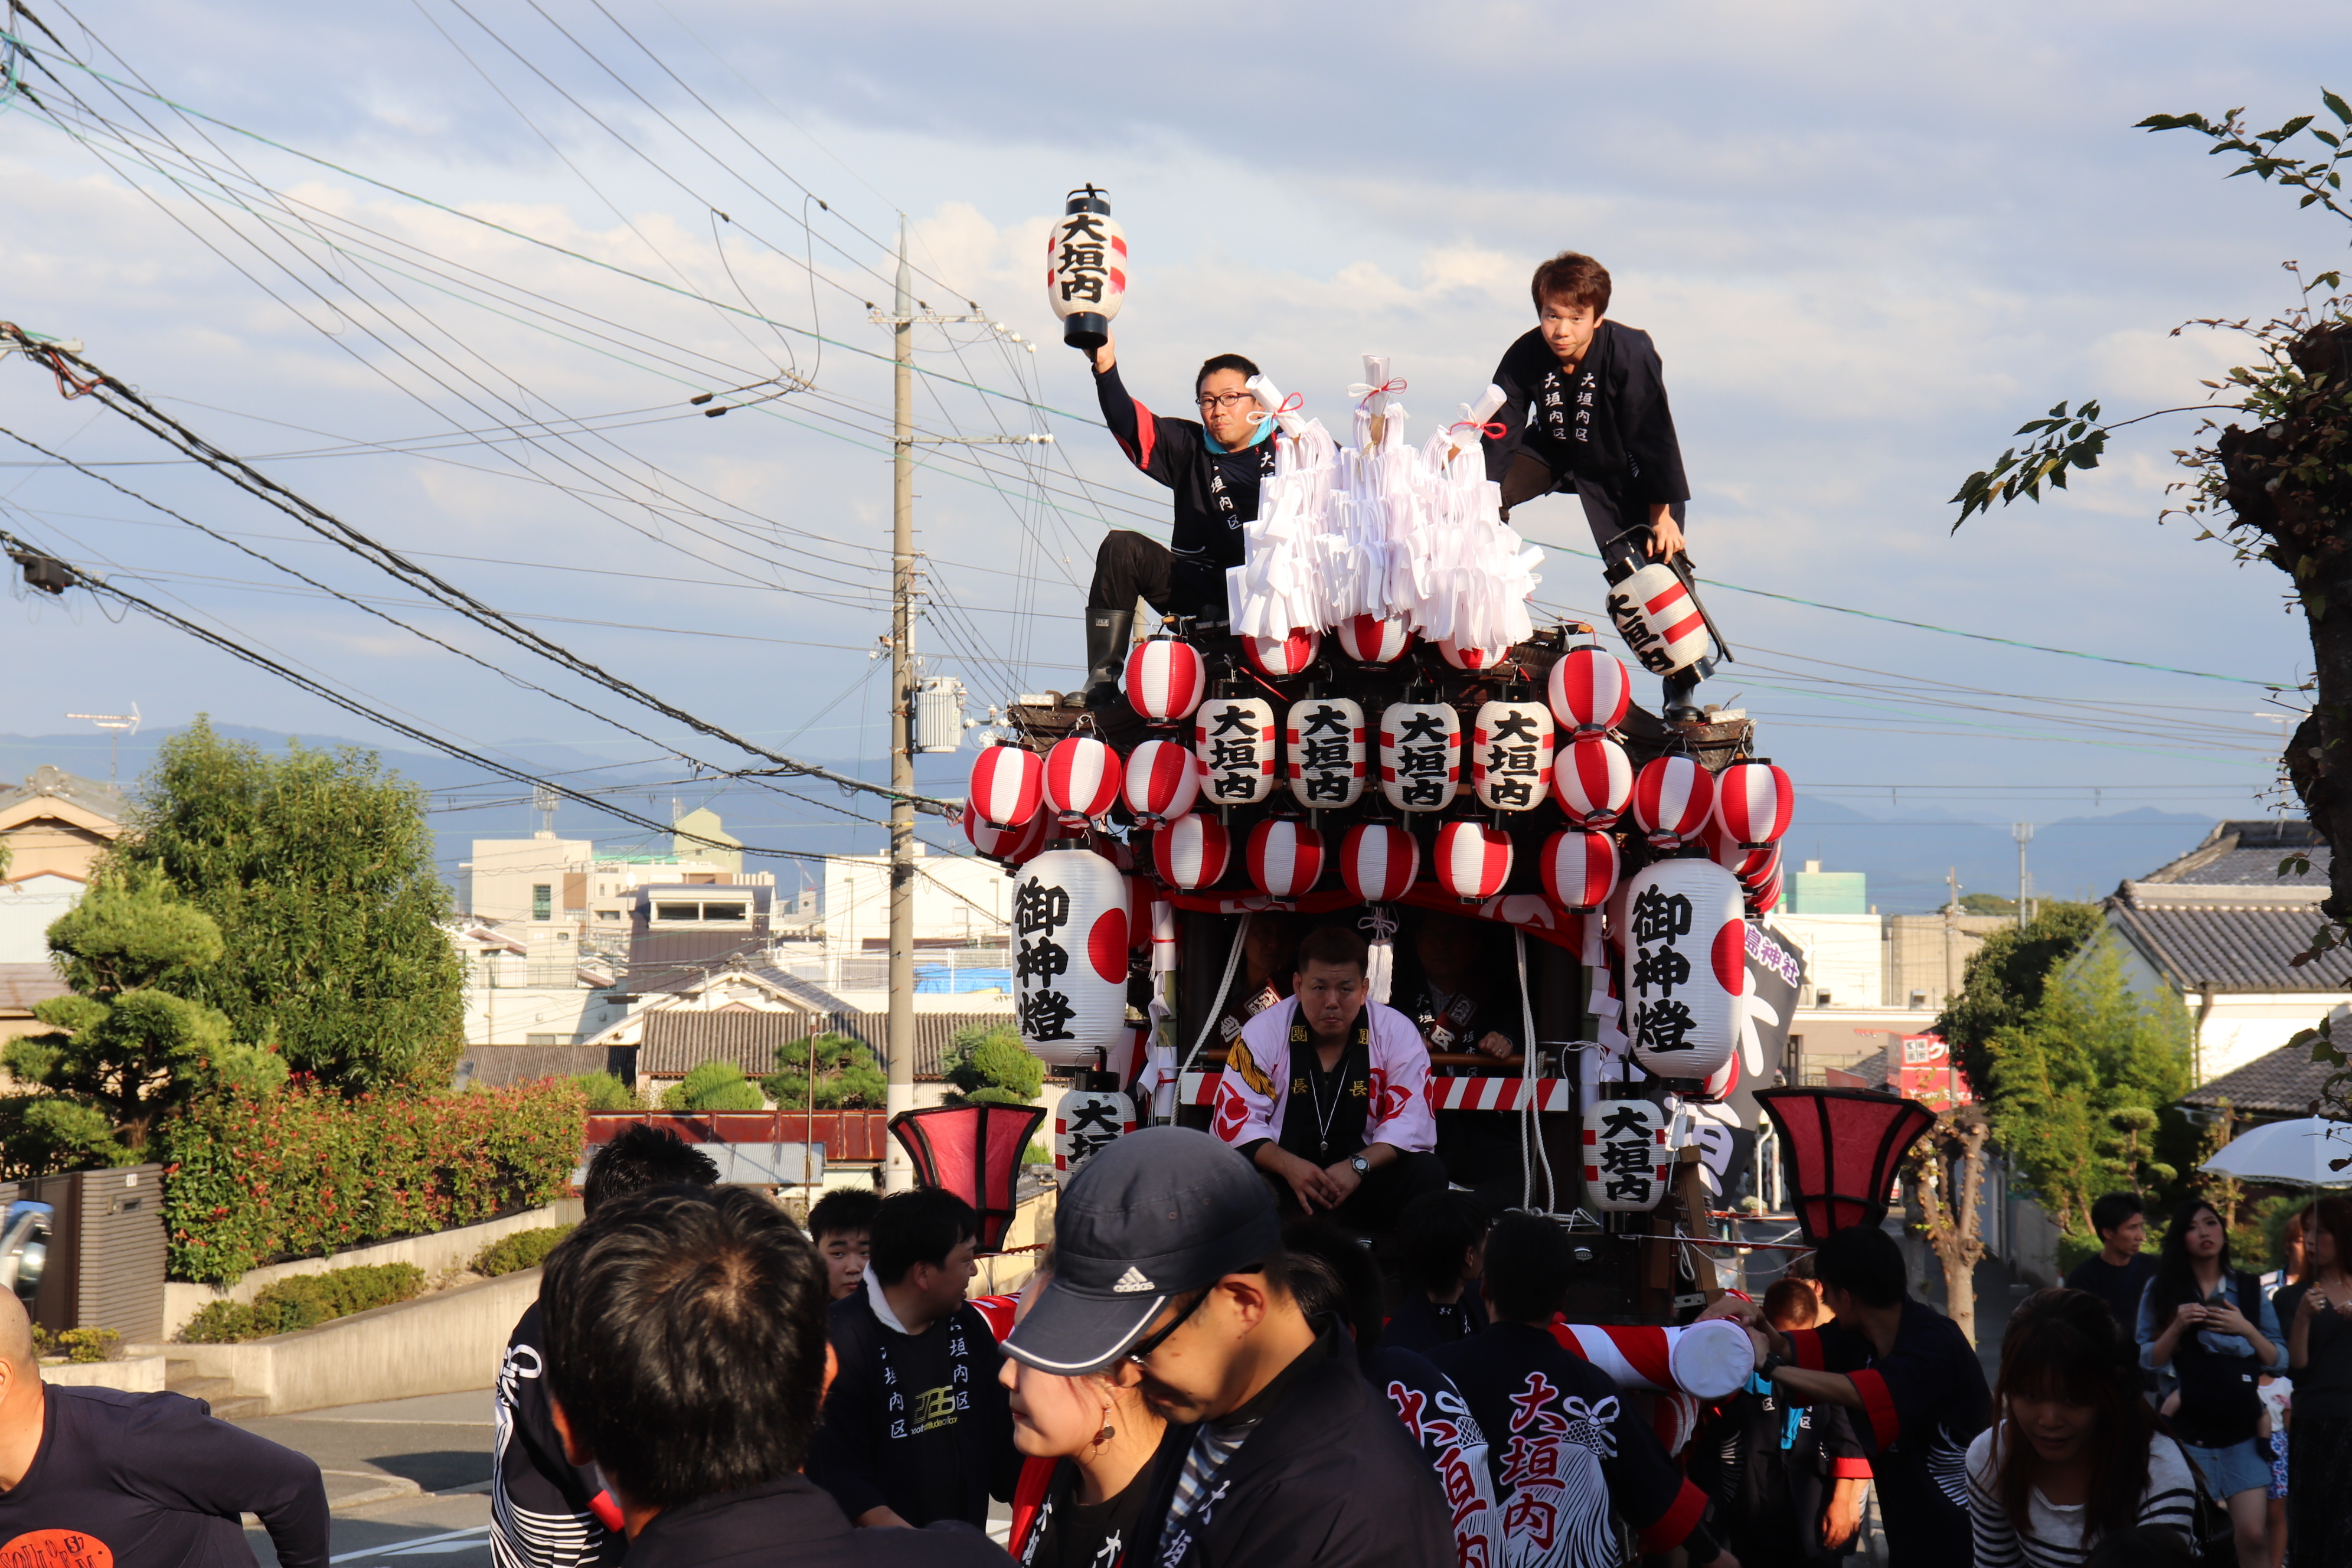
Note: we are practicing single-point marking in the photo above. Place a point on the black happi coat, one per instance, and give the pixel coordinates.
(790, 1523)
(927, 1453)
(1216, 489)
(1328, 1478)
(541, 1503)
(1770, 1469)
(1627, 454)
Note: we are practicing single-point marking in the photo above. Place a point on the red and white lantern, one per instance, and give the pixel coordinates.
(1007, 782)
(1589, 690)
(1375, 639)
(1686, 967)
(1082, 778)
(1323, 751)
(1163, 780)
(1284, 657)
(1761, 865)
(1069, 931)
(1086, 268)
(1764, 897)
(1165, 679)
(1378, 861)
(1595, 780)
(1011, 845)
(1753, 803)
(1579, 869)
(1234, 739)
(1285, 857)
(1192, 852)
(1659, 620)
(1462, 657)
(1472, 860)
(1421, 755)
(1626, 1161)
(1085, 1123)
(1673, 799)
(1511, 756)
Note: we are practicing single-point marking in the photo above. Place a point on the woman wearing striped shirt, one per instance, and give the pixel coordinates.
(2074, 1456)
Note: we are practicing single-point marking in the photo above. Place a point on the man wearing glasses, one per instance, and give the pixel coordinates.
(1215, 466)
(1167, 1270)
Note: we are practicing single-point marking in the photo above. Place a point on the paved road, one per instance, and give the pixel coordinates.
(408, 1478)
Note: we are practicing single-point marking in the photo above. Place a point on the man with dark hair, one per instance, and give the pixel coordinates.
(1323, 1093)
(686, 1355)
(915, 1428)
(842, 1225)
(1584, 410)
(1441, 1243)
(2120, 1272)
(1911, 1372)
(1168, 1258)
(1565, 1446)
(1216, 467)
(546, 1513)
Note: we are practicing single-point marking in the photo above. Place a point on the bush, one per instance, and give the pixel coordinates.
(304, 1301)
(847, 1077)
(523, 1249)
(713, 1086)
(989, 1066)
(606, 1092)
(90, 1345)
(304, 1170)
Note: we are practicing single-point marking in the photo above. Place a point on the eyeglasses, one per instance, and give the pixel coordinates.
(1142, 1350)
(1217, 402)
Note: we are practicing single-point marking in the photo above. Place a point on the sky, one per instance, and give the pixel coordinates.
(451, 275)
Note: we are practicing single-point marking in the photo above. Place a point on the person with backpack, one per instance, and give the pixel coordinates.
(2210, 1324)
(2074, 1458)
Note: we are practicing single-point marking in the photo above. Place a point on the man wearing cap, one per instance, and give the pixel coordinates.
(1169, 1267)
(1323, 1093)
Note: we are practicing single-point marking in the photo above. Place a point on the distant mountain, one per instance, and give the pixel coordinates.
(1906, 856)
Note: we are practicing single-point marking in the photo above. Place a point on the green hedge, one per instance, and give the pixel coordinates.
(303, 1171)
(523, 1249)
(304, 1301)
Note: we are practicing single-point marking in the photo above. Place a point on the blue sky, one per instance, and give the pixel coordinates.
(1868, 241)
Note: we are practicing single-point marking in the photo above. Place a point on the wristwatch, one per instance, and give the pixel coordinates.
(1773, 1362)
(1362, 1166)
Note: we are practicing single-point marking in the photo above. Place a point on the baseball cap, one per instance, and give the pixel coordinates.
(1159, 1212)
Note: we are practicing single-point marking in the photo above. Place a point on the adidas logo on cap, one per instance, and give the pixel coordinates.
(1133, 1280)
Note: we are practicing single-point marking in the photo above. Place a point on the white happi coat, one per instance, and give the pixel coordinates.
(1255, 1090)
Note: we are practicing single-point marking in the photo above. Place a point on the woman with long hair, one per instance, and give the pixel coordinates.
(2211, 1325)
(2073, 1456)
(1088, 1442)
(2319, 1352)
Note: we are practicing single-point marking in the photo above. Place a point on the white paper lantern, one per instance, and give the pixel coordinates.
(1234, 739)
(1658, 619)
(1163, 780)
(1086, 268)
(1421, 755)
(1626, 1162)
(1085, 1123)
(1069, 956)
(1323, 750)
(1511, 756)
(1685, 964)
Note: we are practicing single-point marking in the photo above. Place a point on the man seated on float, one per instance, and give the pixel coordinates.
(1585, 411)
(1324, 1093)
(1215, 466)
(1269, 955)
(1457, 1010)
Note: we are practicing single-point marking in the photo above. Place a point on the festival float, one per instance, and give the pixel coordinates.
(1382, 733)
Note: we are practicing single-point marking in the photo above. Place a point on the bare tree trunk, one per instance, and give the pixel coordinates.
(1950, 1181)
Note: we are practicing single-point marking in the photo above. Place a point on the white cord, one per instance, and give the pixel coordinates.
(1217, 1007)
(1531, 1145)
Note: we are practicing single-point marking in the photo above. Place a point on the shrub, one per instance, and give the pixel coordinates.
(523, 1249)
(304, 1301)
(989, 1066)
(713, 1086)
(90, 1345)
(847, 1077)
(249, 1179)
(606, 1092)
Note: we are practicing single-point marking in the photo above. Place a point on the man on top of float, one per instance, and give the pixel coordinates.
(1215, 466)
(1324, 1093)
(1584, 411)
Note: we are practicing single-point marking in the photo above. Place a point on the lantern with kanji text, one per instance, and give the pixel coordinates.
(1234, 739)
(1421, 755)
(1086, 268)
(1686, 936)
(1511, 756)
(1626, 1162)
(1655, 613)
(1323, 743)
(1069, 957)
(1088, 1119)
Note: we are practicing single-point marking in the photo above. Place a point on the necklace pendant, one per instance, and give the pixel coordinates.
(1324, 1147)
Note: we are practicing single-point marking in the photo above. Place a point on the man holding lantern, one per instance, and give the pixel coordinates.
(1214, 466)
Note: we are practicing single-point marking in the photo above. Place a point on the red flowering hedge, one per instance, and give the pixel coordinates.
(299, 1171)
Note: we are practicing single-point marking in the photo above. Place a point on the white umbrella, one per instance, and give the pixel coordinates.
(2293, 1153)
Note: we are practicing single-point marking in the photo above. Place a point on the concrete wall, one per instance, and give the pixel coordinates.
(1845, 957)
(446, 1342)
(132, 1375)
(435, 1254)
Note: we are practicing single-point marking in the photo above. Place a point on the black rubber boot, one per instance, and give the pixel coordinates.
(1680, 688)
(1108, 632)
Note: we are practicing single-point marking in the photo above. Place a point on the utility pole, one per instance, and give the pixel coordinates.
(1951, 923)
(2023, 833)
(897, 1173)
